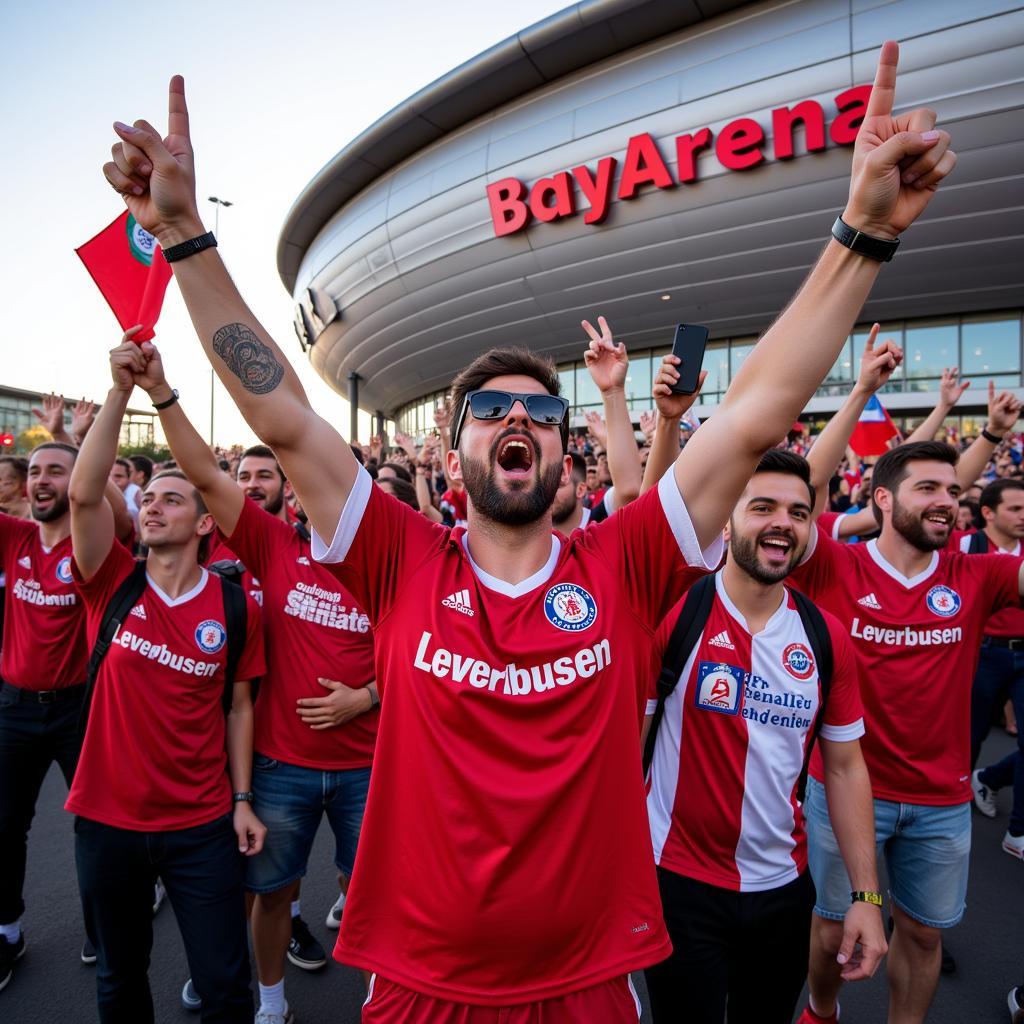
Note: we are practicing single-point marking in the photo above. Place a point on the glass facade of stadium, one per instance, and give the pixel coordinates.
(662, 162)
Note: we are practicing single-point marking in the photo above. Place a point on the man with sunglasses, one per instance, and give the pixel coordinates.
(504, 869)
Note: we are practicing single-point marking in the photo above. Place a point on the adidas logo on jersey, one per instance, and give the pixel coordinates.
(302, 560)
(139, 611)
(25, 563)
(722, 640)
(870, 601)
(459, 602)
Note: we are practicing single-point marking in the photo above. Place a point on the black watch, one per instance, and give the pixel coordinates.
(168, 402)
(190, 247)
(239, 797)
(880, 249)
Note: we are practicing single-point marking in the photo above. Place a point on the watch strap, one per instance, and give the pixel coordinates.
(190, 247)
(865, 896)
(990, 437)
(167, 403)
(239, 797)
(880, 249)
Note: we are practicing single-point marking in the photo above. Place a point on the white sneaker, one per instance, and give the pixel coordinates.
(263, 1017)
(159, 895)
(1014, 845)
(984, 798)
(334, 914)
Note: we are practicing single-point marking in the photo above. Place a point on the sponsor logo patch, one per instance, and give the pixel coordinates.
(943, 601)
(210, 636)
(64, 570)
(570, 607)
(719, 687)
(798, 661)
(722, 640)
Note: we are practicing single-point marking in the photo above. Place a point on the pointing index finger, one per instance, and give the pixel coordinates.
(177, 109)
(883, 91)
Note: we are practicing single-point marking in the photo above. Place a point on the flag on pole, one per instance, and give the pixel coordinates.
(130, 271)
(874, 430)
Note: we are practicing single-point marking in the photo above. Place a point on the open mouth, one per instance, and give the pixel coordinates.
(776, 547)
(939, 518)
(515, 456)
(256, 495)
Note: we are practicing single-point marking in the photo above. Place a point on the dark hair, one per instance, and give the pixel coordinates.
(503, 362)
(206, 540)
(778, 460)
(402, 490)
(400, 471)
(144, 465)
(579, 468)
(261, 451)
(992, 494)
(124, 464)
(59, 445)
(358, 453)
(18, 464)
(892, 468)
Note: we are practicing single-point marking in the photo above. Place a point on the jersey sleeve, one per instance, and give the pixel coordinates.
(252, 663)
(258, 536)
(378, 542)
(822, 565)
(99, 589)
(844, 712)
(652, 547)
(12, 530)
(1000, 583)
(829, 522)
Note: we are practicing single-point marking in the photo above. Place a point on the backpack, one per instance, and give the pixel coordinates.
(978, 544)
(691, 622)
(125, 598)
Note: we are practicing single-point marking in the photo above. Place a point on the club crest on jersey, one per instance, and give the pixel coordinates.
(943, 601)
(64, 570)
(210, 636)
(719, 687)
(798, 661)
(570, 607)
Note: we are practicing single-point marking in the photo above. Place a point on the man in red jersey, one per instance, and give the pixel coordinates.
(916, 614)
(160, 762)
(316, 718)
(486, 885)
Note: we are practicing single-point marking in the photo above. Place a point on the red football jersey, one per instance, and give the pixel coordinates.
(44, 644)
(313, 629)
(154, 758)
(1009, 623)
(722, 795)
(505, 854)
(918, 640)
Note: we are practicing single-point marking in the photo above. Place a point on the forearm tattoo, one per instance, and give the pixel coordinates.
(252, 362)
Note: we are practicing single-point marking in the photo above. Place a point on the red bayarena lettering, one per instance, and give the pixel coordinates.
(739, 146)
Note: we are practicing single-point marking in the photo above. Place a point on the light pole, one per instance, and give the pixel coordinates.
(217, 204)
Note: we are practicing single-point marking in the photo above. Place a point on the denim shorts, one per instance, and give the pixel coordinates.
(926, 850)
(290, 801)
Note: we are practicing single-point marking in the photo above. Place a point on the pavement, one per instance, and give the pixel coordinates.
(51, 985)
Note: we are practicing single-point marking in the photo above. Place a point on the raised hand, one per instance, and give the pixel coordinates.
(670, 405)
(1003, 410)
(951, 387)
(405, 442)
(648, 421)
(606, 360)
(51, 416)
(82, 416)
(442, 418)
(597, 428)
(898, 162)
(877, 365)
(156, 176)
(134, 365)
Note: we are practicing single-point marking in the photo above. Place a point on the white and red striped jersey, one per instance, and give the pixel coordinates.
(722, 788)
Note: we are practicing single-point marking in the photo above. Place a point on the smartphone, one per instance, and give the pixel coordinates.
(689, 344)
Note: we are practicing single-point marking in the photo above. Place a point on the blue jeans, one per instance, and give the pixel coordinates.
(291, 800)
(1000, 676)
(926, 849)
(202, 871)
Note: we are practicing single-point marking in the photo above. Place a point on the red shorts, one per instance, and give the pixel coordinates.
(611, 1002)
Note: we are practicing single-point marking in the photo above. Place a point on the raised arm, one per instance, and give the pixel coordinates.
(156, 177)
(1003, 410)
(950, 390)
(876, 367)
(51, 418)
(791, 360)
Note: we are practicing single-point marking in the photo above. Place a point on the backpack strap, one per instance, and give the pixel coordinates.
(692, 618)
(821, 645)
(303, 531)
(228, 568)
(236, 615)
(128, 592)
(978, 544)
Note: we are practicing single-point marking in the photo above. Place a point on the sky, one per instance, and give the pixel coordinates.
(274, 91)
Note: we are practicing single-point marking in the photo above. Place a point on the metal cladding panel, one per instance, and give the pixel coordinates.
(423, 284)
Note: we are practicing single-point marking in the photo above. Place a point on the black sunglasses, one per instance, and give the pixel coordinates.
(547, 410)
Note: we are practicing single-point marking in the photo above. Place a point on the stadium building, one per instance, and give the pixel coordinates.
(659, 161)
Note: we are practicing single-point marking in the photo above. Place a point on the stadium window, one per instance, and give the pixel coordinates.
(738, 352)
(990, 346)
(638, 382)
(928, 349)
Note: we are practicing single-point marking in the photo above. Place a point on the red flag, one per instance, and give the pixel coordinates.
(130, 270)
(874, 430)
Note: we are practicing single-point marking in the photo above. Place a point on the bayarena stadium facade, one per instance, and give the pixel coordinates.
(662, 161)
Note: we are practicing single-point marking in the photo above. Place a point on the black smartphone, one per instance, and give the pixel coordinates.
(689, 344)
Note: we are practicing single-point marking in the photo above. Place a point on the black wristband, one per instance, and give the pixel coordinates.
(239, 797)
(880, 249)
(990, 437)
(190, 247)
(169, 402)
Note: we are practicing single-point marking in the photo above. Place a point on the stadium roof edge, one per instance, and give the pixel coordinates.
(568, 40)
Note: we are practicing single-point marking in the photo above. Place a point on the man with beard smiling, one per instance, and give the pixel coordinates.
(728, 837)
(504, 868)
(916, 612)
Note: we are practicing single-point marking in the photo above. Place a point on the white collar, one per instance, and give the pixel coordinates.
(879, 559)
(172, 602)
(542, 575)
(726, 600)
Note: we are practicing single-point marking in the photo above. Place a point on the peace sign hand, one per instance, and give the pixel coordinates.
(898, 162)
(156, 177)
(606, 360)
